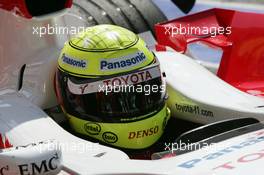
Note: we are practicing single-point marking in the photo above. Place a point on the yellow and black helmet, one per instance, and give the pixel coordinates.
(110, 86)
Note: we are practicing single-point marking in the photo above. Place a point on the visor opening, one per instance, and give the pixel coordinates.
(38, 8)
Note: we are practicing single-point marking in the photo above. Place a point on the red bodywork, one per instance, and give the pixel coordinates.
(4, 142)
(242, 63)
(20, 7)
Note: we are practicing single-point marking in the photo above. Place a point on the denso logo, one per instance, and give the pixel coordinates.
(143, 133)
(92, 128)
(74, 62)
(110, 137)
(123, 62)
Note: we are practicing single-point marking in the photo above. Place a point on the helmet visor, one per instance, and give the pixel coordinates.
(117, 98)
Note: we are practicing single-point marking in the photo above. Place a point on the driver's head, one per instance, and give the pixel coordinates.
(110, 86)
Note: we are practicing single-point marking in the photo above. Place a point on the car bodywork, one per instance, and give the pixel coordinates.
(28, 63)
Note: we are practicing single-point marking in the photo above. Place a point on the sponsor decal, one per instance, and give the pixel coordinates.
(110, 137)
(193, 109)
(123, 62)
(143, 133)
(248, 158)
(125, 80)
(44, 167)
(224, 152)
(4, 169)
(92, 128)
(259, 133)
(74, 62)
(82, 88)
(129, 79)
(4, 142)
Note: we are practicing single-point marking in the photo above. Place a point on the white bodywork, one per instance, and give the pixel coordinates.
(23, 120)
(29, 158)
(198, 95)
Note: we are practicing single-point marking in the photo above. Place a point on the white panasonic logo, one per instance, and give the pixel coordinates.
(123, 62)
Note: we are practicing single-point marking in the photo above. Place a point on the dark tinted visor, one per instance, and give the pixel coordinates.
(120, 98)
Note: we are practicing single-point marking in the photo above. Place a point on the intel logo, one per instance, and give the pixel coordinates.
(92, 128)
(122, 63)
(74, 62)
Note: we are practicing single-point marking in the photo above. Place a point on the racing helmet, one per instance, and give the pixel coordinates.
(110, 86)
